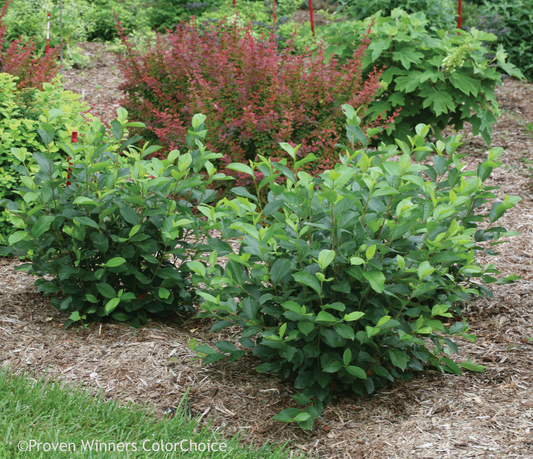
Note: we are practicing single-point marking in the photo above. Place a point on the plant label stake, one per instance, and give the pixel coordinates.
(48, 34)
(312, 18)
(73, 139)
(61, 30)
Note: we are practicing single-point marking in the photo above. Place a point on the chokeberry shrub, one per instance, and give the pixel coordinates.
(355, 278)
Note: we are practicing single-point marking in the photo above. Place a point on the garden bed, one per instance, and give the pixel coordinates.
(432, 416)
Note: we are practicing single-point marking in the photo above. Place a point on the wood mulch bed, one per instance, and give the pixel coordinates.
(487, 415)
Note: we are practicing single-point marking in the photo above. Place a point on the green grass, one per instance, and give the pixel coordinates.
(51, 413)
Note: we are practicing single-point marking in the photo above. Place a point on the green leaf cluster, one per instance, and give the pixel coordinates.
(517, 19)
(355, 278)
(108, 231)
(437, 77)
(22, 112)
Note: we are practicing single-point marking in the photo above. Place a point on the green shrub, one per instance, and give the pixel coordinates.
(440, 13)
(21, 113)
(356, 278)
(439, 78)
(517, 17)
(112, 238)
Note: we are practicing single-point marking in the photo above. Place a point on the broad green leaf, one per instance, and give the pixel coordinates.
(407, 56)
(121, 317)
(106, 290)
(241, 168)
(307, 279)
(347, 357)
(370, 252)
(226, 346)
(398, 358)
(114, 262)
(345, 330)
(18, 236)
(357, 372)
(376, 280)
(353, 316)
(306, 327)
(324, 316)
(111, 304)
(280, 268)
(302, 399)
(84, 200)
(86, 221)
(42, 225)
(357, 261)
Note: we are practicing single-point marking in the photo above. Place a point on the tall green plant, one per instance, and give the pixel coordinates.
(356, 278)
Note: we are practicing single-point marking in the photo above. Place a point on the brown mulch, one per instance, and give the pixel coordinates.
(488, 415)
(97, 82)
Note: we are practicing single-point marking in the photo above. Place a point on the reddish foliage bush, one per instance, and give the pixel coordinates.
(21, 60)
(253, 95)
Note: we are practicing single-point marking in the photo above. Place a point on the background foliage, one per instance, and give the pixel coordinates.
(440, 78)
(517, 18)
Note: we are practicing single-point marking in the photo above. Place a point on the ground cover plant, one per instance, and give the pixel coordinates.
(110, 228)
(21, 114)
(442, 78)
(355, 278)
(253, 95)
(99, 424)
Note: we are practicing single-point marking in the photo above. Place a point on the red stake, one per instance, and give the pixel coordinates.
(311, 16)
(73, 139)
(459, 14)
(48, 34)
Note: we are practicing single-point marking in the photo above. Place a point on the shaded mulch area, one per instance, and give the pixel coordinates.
(487, 415)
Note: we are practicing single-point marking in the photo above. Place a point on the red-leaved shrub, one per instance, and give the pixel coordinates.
(21, 59)
(254, 96)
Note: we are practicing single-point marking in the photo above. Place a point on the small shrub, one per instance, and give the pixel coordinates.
(106, 239)
(21, 114)
(253, 95)
(356, 278)
(440, 78)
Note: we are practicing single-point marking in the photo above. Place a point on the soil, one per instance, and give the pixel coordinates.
(484, 415)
